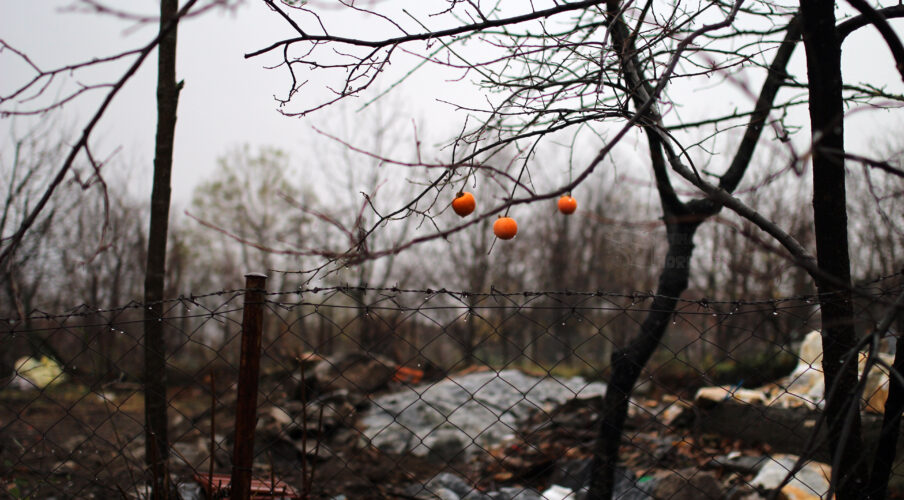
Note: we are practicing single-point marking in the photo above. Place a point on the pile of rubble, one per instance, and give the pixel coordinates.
(358, 425)
(510, 435)
(451, 419)
(805, 386)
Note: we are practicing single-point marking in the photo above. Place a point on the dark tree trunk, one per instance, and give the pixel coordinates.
(156, 440)
(886, 449)
(628, 362)
(891, 425)
(830, 221)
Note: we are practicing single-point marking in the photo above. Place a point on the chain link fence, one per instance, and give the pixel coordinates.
(389, 393)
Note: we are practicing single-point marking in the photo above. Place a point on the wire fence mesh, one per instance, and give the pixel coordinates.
(391, 393)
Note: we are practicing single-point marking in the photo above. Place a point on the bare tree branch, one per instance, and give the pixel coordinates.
(13, 242)
(878, 18)
(541, 14)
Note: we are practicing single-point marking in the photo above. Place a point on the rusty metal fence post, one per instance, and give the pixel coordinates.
(249, 371)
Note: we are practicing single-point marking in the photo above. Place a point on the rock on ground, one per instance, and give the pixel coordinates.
(811, 482)
(688, 484)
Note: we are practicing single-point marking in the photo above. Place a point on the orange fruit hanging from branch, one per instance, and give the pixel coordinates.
(505, 228)
(464, 204)
(567, 205)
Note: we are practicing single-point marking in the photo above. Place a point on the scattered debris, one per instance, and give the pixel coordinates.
(218, 486)
(293, 429)
(33, 373)
(708, 395)
(448, 486)
(736, 462)
(408, 375)
(357, 371)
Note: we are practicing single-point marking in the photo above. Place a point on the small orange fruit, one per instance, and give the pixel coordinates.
(464, 204)
(567, 205)
(505, 228)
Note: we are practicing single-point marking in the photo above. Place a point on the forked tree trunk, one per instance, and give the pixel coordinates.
(682, 220)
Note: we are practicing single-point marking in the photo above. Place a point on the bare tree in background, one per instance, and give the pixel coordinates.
(88, 247)
(607, 66)
(249, 202)
(28, 274)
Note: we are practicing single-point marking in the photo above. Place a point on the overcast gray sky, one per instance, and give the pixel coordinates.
(228, 100)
